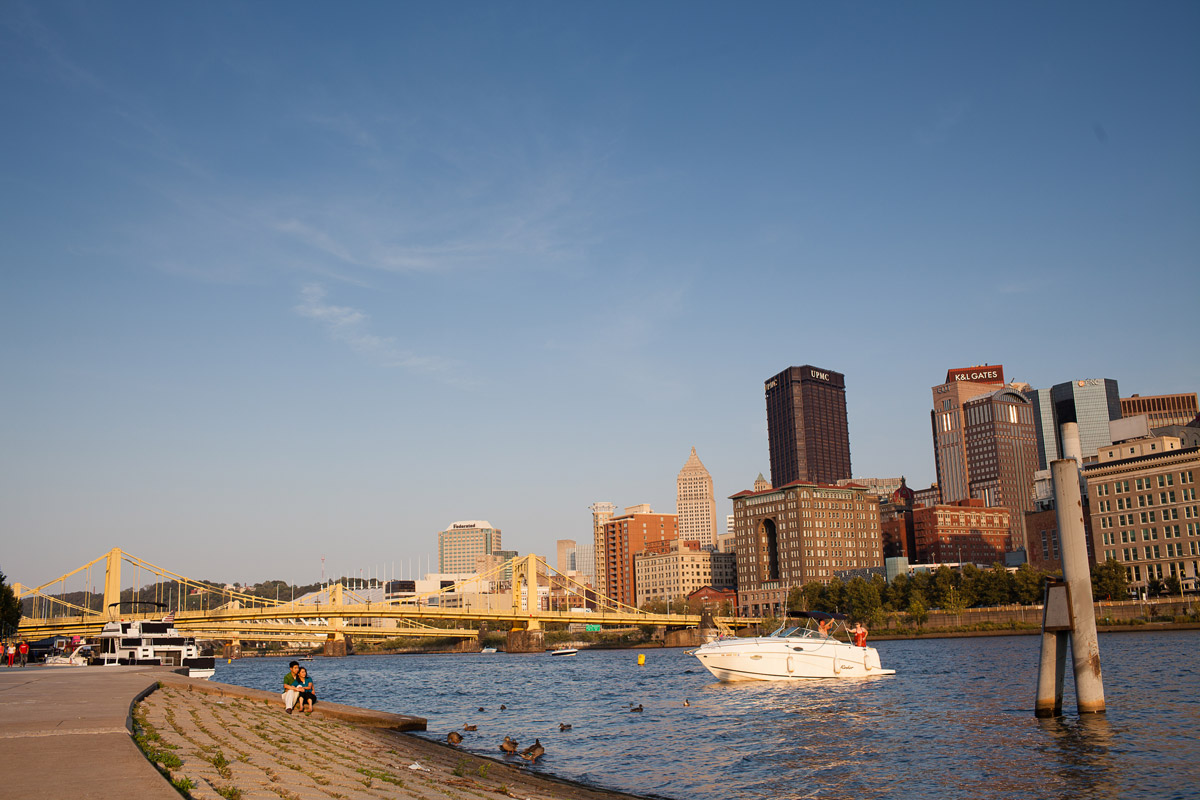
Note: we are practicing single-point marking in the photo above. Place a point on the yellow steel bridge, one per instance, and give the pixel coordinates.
(207, 611)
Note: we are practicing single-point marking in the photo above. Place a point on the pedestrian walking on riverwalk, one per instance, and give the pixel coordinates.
(23, 652)
(11, 652)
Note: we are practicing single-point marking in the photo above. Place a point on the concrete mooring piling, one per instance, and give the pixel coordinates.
(1069, 613)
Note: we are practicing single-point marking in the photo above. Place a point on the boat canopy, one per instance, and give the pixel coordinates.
(817, 615)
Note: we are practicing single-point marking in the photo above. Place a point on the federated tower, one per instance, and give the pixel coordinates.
(695, 505)
(808, 434)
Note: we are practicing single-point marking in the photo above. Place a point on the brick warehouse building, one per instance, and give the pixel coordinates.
(966, 531)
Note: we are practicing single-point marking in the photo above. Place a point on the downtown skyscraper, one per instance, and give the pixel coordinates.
(807, 432)
(695, 504)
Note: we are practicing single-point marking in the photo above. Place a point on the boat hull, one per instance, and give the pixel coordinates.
(773, 659)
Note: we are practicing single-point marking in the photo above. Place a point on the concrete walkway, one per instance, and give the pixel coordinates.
(65, 731)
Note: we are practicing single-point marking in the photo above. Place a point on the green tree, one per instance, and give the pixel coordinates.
(994, 586)
(943, 581)
(1154, 587)
(1029, 585)
(897, 593)
(1171, 586)
(917, 610)
(812, 593)
(1110, 581)
(862, 601)
(10, 607)
(970, 585)
(833, 598)
(795, 599)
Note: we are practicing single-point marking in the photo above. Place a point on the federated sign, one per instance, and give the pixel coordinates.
(593, 629)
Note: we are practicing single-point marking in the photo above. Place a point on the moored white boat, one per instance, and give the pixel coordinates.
(564, 651)
(77, 658)
(792, 651)
(153, 642)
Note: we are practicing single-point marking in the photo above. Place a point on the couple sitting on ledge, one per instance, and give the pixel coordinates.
(298, 688)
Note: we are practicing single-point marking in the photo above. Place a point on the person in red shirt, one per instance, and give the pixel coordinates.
(23, 652)
(860, 634)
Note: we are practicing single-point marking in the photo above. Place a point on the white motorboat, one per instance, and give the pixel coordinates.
(792, 651)
(564, 651)
(76, 658)
(487, 650)
(153, 642)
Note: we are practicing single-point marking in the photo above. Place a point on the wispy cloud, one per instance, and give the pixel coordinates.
(352, 327)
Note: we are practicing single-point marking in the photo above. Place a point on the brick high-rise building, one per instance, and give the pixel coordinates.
(807, 431)
(624, 537)
(949, 444)
(799, 533)
(1001, 446)
(694, 503)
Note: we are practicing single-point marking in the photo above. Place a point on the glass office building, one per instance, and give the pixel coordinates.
(1091, 403)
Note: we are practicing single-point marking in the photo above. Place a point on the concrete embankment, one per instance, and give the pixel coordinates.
(70, 728)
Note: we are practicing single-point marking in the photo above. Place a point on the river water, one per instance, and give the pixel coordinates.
(956, 721)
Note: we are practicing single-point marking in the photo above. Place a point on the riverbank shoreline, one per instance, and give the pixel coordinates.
(216, 740)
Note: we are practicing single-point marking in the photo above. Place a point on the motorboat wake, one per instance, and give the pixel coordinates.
(792, 651)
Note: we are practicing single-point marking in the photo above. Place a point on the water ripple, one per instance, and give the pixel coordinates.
(956, 722)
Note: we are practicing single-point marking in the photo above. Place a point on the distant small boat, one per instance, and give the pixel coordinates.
(488, 650)
(564, 651)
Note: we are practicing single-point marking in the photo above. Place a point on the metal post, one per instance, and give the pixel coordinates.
(1085, 648)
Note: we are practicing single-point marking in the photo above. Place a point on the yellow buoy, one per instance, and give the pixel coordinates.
(641, 659)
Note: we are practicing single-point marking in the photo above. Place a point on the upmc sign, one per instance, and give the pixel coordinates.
(993, 373)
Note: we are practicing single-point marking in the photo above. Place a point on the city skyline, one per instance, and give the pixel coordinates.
(279, 275)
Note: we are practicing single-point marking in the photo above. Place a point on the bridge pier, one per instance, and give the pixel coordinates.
(526, 641)
(232, 649)
(338, 645)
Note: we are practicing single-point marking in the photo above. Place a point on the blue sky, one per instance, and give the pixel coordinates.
(284, 280)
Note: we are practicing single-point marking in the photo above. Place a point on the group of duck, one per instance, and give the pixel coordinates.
(535, 751)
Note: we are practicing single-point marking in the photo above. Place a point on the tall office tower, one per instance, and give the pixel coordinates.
(625, 537)
(601, 514)
(460, 543)
(1002, 456)
(565, 561)
(1091, 403)
(695, 505)
(1162, 409)
(949, 445)
(800, 533)
(806, 426)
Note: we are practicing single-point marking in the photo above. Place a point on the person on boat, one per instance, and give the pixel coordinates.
(291, 692)
(308, 690)
(823, 626)
(860, 634)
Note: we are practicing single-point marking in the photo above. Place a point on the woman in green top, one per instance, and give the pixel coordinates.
(307, 689)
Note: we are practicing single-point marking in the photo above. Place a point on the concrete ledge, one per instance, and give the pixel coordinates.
(352, 714)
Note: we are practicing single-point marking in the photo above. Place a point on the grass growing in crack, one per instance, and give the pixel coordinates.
(483, 769)
(460, 769)
(184, 784)
(378, 774)
(220, 763)
(229, 792)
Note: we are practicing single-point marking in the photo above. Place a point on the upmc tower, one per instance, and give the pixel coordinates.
(806, 426)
